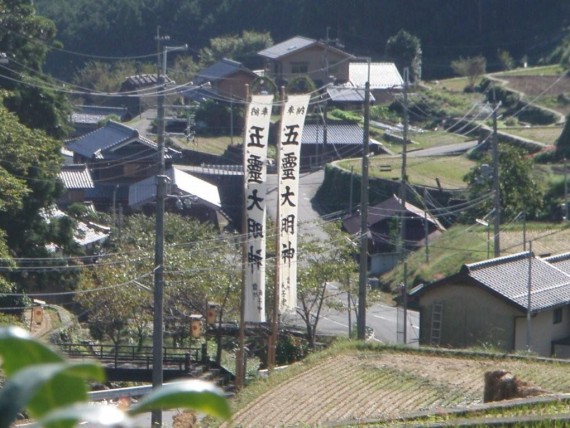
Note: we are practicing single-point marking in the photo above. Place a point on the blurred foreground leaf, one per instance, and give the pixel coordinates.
(192, 394)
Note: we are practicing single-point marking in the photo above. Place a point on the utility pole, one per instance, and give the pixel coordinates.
(274, 337)
(158, 322)
(403, 184)
(240, 354)
(529, 299)
(161, 181)
(363, 272)
(496, 189)
(565, 191)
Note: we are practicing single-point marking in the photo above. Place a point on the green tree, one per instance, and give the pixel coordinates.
(519, 188)
(471, 67)
(321, 263)
(505, 59)
(25, 37)
(242, 48)
(117, 295)
(99, 76)
(30, 162)
(561, 54)
(406, 51)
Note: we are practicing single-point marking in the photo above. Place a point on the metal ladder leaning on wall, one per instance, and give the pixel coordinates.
(436, 320)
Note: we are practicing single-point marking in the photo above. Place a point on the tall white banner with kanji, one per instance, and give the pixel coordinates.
(292, 123)
(255, 182)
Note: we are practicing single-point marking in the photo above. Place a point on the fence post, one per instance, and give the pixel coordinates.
(187, 362)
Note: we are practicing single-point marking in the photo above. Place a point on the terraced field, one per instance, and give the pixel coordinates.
(362, 385)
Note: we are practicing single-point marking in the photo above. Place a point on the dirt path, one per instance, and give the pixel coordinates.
(365, 385)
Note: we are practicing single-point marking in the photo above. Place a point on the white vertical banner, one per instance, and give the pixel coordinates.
(255, 182)
(292, 124)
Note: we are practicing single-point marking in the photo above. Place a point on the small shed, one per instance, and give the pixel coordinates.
(487, 303)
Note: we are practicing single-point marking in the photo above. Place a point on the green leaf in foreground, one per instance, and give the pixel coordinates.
(101, 415)
(19, 349)
(192, 394)
(44, 387)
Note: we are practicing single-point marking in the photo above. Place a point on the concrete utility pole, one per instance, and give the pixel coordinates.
(496, 188)
(529, 299)
(161, 181)
(403, 184)
(363, 271)
(157, 325)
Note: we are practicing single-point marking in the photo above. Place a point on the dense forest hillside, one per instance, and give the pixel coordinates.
(447, 28)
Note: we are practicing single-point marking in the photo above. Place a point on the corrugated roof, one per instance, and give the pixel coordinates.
(94, 114)
(76, 176)
(287, 47)
(91, 233)
(347, 94)
(383, 75)
(346, 133)
(509, 277)
(181, 182)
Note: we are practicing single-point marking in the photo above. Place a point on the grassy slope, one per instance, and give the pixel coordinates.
(364, 382)
(463, 244)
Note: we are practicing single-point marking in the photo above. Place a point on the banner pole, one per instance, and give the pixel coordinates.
(274, 338)
(240, 356)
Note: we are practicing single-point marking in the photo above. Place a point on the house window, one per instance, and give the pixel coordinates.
(557, 319)
(299, 67)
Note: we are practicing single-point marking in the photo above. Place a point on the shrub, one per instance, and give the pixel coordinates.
(346, 116)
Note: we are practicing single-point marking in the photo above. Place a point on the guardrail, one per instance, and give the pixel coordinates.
(139, 355)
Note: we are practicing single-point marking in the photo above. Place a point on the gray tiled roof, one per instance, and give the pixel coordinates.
(99, 143)
(561, 261)
(509, 277)
(387, 209)
(103, 138)
(141, 81)
(76, 176)
(220, 70)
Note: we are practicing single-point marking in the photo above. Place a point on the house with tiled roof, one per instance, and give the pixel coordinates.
(117, 156)
(140, 91)
(383, 219)
(77, 181)
(226, 78)
(86, 118)
(302, 56)
(509, 303)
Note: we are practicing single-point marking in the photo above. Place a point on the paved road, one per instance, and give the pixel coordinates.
(386, 321)
(445, 150)
(309, 218)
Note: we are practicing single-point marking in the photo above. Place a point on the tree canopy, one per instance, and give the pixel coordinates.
(126, 28)
(518, 186)
(406, 51)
